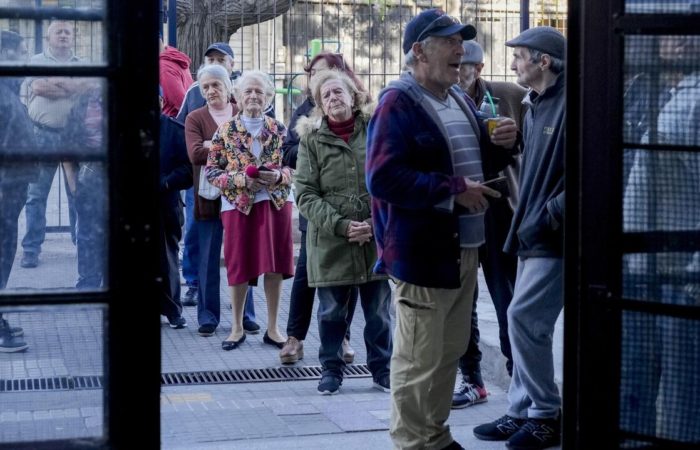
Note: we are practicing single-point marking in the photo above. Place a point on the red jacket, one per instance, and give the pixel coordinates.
(175, 78)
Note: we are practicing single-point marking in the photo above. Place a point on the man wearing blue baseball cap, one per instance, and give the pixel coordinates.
(424, 172)
(533, 419)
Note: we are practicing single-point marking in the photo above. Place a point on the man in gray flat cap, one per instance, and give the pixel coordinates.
(533, 419)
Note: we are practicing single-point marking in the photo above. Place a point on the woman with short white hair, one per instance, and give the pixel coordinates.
(245, 162)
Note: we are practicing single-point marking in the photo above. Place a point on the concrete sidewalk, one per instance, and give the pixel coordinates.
(68, 342)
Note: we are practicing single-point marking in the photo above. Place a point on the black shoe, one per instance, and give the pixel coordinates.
(177, 322)
(329, 384)
(9, 344)
(453, 446)
(268, 340)
(206, 330)
(536, 434)
(230, 345)
(251, 326)
(383, 384)
(500, 429)
(29, 260)
(191, 296)
(14, 331)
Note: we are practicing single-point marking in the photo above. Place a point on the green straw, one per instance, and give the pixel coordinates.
(493, 107)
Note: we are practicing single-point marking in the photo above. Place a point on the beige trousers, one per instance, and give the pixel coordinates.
(431, 334)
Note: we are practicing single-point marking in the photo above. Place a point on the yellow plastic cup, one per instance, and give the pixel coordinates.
(492, 123)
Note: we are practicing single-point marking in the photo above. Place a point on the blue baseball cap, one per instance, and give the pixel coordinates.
(434, 22)
(473, 53)
(220, 47)
(545, 39)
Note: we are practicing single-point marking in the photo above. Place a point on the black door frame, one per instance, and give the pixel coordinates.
(594, 242)
(132, 340)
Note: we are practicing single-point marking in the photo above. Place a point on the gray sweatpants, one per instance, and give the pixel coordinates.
(538, 298)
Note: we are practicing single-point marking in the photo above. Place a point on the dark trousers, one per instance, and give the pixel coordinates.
(91, 238)
(12, 198)
(499, 272)
(301, 303)
(333, 323)
(170, 304)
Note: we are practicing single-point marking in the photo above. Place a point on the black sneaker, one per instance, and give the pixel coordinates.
(9, 344)
(29, 260)
(177, 323)
(329, 385)
(536, 434)
(191, 296)
(251, 326)
(382, 383)
(206, 330)
(453, 446)
(14, 331)
(500, 429)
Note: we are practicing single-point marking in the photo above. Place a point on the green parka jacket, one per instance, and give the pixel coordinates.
(330, 192)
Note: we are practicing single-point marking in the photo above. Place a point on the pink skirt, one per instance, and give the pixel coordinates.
(258, 243)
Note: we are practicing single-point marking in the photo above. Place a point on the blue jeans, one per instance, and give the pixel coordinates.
(301, 301)
(35, 208)
(375, 297)
(190, 253)
(13, 196)
(210, 235)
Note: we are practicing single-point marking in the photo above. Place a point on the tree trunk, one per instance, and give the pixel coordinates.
(201, 22)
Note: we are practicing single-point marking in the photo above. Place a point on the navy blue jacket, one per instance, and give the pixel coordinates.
(175, 166)
(409, 172)
(537, 227)
(16, 135)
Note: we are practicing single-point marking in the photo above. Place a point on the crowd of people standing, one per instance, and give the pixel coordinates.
(400, 202)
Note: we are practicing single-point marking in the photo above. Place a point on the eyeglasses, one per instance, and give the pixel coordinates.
(443, 21)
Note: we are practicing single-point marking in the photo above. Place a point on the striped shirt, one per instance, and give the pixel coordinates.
(466, 161)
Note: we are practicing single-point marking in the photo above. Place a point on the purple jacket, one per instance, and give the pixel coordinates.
(410, 177)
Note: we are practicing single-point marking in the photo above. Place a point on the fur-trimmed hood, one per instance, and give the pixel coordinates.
(311, 123)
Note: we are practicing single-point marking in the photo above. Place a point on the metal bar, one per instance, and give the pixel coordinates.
(172, 23)
(524, 15)
(655, 24)
(661, 241)
(48, 13)
(96, 70)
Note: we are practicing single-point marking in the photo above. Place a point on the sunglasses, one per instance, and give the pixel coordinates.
(443, 21)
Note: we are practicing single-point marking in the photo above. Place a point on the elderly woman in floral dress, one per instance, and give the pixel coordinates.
(245, 162)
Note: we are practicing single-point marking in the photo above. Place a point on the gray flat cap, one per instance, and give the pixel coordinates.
(473, 53)
(545, 39)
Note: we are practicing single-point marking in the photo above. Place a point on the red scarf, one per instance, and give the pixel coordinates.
(343, 129)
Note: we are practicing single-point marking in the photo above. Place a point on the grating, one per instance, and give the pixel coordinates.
(52, 384)
(257, 375)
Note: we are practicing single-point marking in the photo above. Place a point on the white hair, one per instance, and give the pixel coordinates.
(215, 71)
(411, 59)
(254, 76)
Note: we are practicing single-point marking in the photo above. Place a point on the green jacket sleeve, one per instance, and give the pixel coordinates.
(309, 196)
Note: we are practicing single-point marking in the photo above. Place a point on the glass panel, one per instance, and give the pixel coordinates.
(662, 6)
(660, 375)
(52, 373)
(64, 191)
(62, 42)
(662, 90)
